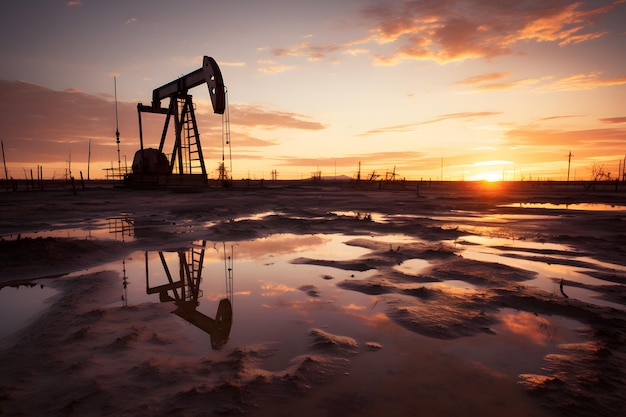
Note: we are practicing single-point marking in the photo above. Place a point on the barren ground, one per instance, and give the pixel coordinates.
(81, 356)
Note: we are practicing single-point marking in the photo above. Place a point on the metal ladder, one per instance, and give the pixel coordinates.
(191, 159)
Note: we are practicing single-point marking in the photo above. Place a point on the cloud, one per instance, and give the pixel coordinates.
(411, 126)
(46, 131)
(568, 83)
(481, 82)
(64, 121)
(232, 64)
(608, 141)
(568, 116)
(355, 51)
(456, 30)
(463, 115)
(71, 3)
(272, 67)
(390, 129)
(131, 20)
(481, 78)
(256, 116)
(306, 49)
(586, 82)
(621, 119)
(508, 85)
(379, 159)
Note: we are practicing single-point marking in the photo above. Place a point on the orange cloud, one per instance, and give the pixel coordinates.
(44, 132)
(455, 30)
(601, 141)
(272, 67)
(478, 79)
(569, 83)
(380, 159)
(507, 86)
(255, 116)
(586, 81)
(272, 289)
(463, 115)
(311, 52)
(569, 116)
(613, 119)
(408, 127)
(64, 121)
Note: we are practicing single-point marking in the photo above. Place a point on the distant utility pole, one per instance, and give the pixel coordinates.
(569, 163)
(6, 172)
(117, 130)
(441, 178)
(88, 158)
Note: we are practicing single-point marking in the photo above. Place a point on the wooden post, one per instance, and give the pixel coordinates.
(82, 181)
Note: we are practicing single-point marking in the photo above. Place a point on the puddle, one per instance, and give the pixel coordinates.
(523, 341)
(20, 304)
(228, 295)
(119, 228)
(375, 217)
(271, 298)
(413, 266)
(256, 216)
(554, 262)
(577, 206)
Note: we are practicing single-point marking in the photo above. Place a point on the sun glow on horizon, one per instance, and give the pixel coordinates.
(489, 176)
(492, 175)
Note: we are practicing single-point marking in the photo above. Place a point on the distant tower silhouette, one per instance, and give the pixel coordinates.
(569, 163)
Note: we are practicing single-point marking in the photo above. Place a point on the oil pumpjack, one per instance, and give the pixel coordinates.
(185, 166)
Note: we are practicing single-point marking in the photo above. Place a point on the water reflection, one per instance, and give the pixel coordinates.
(122, 227)
(576, 206)
(559, 269)
(184, 290)
(20, 303)
(118, 227)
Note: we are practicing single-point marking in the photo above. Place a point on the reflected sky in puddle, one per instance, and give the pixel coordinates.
(375, 217)
(523, 341)
(275, 300)
(551, 266)
(577, 206)
(255, 216)
(272, 299)
(21, 303)
(473, 217)
(118, 228)
(413, 266)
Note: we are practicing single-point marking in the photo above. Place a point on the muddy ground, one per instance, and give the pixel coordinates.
(79, 358)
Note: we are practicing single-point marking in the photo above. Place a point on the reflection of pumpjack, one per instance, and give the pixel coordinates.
(186, 291)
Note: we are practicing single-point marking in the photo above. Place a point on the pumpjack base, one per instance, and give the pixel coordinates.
(166, 180)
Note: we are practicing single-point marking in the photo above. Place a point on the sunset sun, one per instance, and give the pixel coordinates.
(489, 176)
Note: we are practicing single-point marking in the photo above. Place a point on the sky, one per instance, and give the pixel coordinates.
(441, 89)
